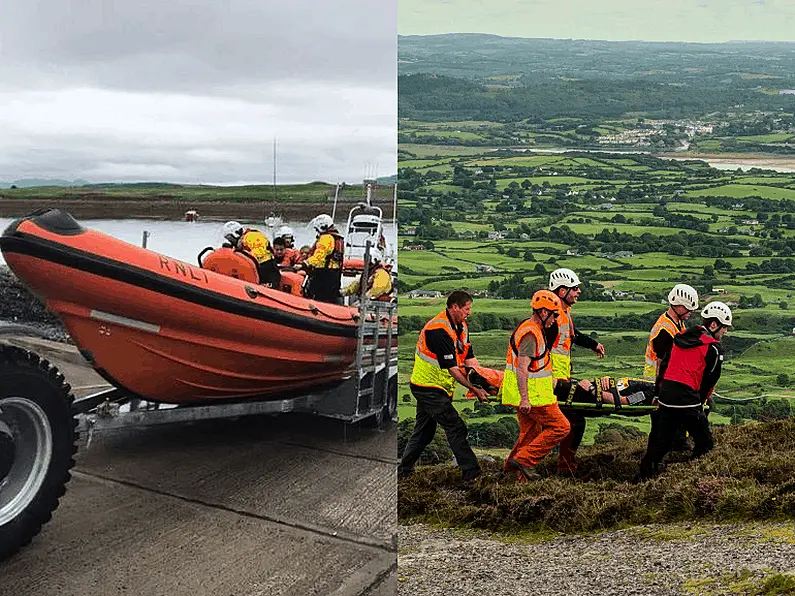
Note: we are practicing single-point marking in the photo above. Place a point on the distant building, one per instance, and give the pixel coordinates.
(787, 92)
(496, 236)
(410, 232)
(484, 268)
(414, 247)
(424, 294)
(606, 206)
(719, 290)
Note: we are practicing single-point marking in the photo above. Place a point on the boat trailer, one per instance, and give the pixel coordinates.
(41, 421)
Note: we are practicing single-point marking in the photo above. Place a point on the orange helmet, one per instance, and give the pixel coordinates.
(545, 299)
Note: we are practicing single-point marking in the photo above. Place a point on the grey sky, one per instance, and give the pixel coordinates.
(195, 90)
(649, 20)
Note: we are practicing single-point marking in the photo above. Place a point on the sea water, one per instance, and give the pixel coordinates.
(185, 240)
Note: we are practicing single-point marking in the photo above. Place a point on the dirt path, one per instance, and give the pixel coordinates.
(648, 560)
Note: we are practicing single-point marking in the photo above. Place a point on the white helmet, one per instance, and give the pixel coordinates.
(563, 278)
(683, 295)
(717, 310)
(284, 231)
(322, 222)
(231, 230)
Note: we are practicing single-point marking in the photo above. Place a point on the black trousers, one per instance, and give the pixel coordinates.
(435, 407)
(679, 443)
(269, 274)
(324, 285)
(669, 422)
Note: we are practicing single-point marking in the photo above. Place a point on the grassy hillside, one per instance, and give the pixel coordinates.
(748, 476)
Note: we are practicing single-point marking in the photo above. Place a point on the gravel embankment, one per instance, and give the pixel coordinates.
(648, 561)
(19, 307)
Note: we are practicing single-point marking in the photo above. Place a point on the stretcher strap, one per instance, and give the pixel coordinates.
(597, 389)
(572, 390)
(614, 391)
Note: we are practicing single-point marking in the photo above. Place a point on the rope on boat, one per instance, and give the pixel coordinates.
(311, 308)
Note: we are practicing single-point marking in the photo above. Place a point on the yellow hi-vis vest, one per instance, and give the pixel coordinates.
(540, 387)
(664, 323)
(256, 243)
(427, 372)
(561, 348)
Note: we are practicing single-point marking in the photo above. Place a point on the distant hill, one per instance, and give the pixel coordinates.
(32, 182)
(508, 61)
(36, 182)
(387, 179)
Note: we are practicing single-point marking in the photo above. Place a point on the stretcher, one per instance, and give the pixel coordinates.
(601, 396)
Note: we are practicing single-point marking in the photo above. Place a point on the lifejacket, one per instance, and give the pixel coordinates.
(387, 297)
(256, 244)
(335, 258)
(427, 372)
(664, 323)
(292, 282)
(561, 348)
(228, 261)
(540, 384)
(686, 365)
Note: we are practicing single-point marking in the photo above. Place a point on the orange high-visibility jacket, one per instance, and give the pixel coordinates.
(664, 323)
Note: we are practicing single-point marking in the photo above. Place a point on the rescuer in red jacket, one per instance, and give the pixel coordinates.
(688, 376)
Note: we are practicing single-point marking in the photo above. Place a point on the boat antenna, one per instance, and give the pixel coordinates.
(394, 207)
(336, 195)
(275, 200)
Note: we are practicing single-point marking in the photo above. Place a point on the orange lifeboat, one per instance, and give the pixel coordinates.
(172, 332)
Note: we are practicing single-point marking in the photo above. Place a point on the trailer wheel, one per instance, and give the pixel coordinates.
(391, 407)
(37, 444)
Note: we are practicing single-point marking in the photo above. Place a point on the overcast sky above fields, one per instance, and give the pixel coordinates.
(649, 20)
(194, 91)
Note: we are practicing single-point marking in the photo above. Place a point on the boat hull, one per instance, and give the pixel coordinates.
(173, 332)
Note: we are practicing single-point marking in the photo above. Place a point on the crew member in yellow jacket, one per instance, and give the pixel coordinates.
(324, 263)
(256, 244)
(379, 281)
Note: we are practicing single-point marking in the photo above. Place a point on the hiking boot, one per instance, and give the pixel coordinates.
(527, 471)
(470, 477)
(403, 473)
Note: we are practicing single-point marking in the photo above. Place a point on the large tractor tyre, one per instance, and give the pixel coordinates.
(38, 440)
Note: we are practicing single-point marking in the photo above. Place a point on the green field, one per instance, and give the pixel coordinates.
(743, 190)
(314, 192)
(451, 262)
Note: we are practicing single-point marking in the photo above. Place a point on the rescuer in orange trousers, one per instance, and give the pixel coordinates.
(529, 387)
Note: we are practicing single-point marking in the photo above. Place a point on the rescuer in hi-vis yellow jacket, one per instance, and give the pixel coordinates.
(565, 284)
(442, 353)
(528, 386)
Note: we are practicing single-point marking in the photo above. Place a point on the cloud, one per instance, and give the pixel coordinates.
(196, 90)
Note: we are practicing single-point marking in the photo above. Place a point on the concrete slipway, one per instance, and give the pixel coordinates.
(283, 505)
